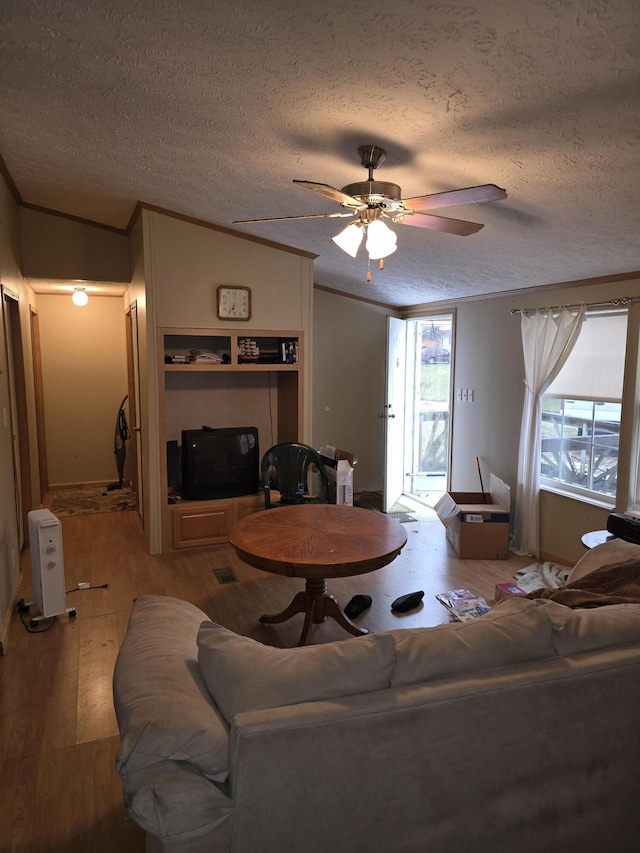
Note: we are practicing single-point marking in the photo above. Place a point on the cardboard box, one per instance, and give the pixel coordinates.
(339, 465)
(478, 529)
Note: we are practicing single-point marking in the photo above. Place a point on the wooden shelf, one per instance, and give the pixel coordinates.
(268, 396)
(180, 343)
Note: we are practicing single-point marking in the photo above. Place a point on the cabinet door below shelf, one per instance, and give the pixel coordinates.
(208, 522)
(195, 524)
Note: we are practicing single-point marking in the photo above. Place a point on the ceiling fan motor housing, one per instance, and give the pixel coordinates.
(373, 192)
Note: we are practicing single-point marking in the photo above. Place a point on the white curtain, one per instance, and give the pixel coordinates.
(547, 340)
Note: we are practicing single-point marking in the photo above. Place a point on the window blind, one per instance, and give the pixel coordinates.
(595, 367)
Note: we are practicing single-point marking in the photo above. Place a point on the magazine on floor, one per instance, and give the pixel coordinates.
(463, 605)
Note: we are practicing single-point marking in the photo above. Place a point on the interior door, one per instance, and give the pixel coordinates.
(393, 414)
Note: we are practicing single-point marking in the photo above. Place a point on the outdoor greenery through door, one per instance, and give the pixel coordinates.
(418, 423)
(430, 344)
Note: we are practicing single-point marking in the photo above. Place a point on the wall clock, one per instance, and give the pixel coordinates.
(234, 303)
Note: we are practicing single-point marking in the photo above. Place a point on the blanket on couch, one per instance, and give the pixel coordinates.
(617, 583)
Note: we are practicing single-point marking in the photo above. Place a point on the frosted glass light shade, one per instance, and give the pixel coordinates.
(80, 297)
(381, 240)
(349, 239)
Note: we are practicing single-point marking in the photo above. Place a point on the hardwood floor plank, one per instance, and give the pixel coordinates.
(59, 790)
(98, 651)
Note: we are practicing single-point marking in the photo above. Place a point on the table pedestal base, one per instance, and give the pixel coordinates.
(316, 605)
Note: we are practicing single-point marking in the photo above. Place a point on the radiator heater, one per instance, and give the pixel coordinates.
(47, 565)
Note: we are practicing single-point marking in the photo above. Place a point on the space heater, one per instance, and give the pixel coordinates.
(47, 564)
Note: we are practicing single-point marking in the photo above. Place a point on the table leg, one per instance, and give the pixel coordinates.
(316, 605)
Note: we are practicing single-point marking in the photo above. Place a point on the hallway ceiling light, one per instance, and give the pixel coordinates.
(79, 296)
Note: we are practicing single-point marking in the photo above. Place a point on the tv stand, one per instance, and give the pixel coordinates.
(198, 523)
(221, 388)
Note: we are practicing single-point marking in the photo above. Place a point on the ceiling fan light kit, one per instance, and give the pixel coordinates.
(374, 201)
(349, 238)
(381, 240)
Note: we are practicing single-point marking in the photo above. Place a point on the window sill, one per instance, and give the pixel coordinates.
(581, 498)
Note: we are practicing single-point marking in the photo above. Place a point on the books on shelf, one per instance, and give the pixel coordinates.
(463, 605)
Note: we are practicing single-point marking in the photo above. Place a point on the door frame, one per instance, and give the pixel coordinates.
(38, 389)
(133, 383)
(394, 412)
(19, 411)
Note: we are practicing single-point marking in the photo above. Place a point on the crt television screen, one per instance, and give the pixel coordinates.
(219, 463)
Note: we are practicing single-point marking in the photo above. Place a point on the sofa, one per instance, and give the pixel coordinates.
(515, 732)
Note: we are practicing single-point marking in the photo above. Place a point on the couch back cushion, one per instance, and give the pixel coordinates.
(244, 675)
(589, 629)
(515, 631)
(163, 707)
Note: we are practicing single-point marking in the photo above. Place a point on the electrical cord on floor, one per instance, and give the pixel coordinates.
(83, 586)
(23, 609)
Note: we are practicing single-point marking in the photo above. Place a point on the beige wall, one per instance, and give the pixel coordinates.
(84, 377)
(349, 382)
(189, 261)
(349, 390)
(58, 247)
(11, 279)
(183, 265)
(488, 358)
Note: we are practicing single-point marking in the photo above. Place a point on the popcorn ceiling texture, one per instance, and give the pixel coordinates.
(210, 109)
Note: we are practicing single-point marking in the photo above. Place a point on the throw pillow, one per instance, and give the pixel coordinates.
(611, 551)
(244, 675)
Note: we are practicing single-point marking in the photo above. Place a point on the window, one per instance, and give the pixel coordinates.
(582, 411)
(579, 445)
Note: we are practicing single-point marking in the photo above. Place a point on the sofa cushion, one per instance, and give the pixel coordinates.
(515, 631)
(611, 551)
(163, 707)
(244, 675)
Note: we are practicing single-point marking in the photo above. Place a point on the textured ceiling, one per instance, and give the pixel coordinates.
(210, 109)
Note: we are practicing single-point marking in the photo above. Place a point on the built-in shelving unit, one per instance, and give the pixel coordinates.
(221, 379)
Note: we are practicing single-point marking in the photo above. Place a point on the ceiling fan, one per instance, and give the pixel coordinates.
(373, 202)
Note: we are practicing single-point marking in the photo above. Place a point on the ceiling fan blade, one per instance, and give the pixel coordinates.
(441, 223)
(470, 195)
(332, 193)
(287, 218)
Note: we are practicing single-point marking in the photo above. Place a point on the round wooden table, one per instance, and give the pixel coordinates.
(317, 542)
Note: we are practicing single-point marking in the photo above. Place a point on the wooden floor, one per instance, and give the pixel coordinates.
(59, 792)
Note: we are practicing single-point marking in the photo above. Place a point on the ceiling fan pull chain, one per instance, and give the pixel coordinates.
(381, 263)
(369, 270)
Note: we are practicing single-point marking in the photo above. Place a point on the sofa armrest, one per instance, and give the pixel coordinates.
(163, 707)
(176, 803)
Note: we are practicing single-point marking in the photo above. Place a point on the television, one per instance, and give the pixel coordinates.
(219, 463)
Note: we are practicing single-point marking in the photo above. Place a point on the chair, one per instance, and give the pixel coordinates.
(288, 468)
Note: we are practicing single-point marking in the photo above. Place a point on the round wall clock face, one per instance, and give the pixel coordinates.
(234, 303)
